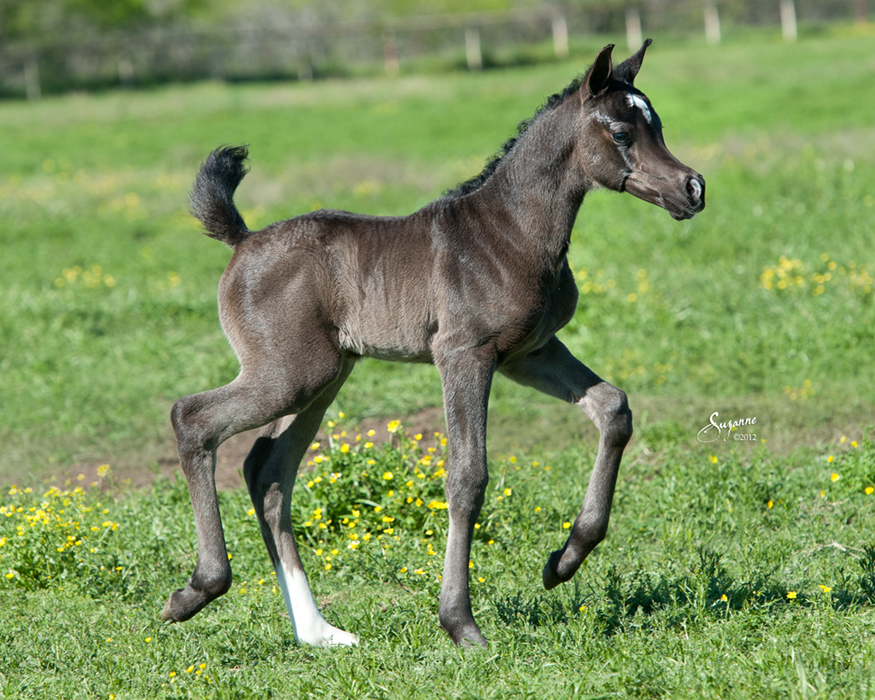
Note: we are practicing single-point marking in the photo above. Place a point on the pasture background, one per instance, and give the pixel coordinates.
(109, 315)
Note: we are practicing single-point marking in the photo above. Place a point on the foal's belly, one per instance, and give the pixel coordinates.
(385, 341)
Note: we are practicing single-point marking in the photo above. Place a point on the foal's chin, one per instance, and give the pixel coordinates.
(682, 215)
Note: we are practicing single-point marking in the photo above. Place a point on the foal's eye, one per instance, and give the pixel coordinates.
(621, 138)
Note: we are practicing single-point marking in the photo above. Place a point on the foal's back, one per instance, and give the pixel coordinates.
(369, 278)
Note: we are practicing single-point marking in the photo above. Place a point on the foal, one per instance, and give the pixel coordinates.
(475, 282)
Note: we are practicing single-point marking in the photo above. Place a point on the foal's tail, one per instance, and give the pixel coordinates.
(212, 196)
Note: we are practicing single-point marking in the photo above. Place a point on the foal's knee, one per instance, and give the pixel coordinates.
(618, 429)
(608, 407)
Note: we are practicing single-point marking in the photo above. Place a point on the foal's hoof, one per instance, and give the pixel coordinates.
(467, 636)
(184, 604)
(551, 574)
(471, 640)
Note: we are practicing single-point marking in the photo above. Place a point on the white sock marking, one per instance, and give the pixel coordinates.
(309, 625)
(641, 103)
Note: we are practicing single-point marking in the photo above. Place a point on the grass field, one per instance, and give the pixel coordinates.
(761, 306)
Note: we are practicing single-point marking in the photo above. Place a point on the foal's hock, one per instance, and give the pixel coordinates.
(475, 282)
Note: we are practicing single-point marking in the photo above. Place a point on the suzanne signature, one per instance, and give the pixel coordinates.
(714, 430)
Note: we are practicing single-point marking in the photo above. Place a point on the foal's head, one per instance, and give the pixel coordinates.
(626, 151)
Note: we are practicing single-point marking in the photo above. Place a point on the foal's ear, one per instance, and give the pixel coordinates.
(599, 76)
(629, 68)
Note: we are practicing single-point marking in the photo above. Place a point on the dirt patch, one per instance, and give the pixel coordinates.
(230, 456)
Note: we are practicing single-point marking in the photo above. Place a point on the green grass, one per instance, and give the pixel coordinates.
(761, 306)
(734, 576)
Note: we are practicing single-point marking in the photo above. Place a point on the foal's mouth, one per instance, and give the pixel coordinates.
(683, 205)
(683, 213)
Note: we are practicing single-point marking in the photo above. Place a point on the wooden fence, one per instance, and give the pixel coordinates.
(286, 49)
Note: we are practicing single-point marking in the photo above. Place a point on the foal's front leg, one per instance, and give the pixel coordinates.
(553, 370)
(465, 378)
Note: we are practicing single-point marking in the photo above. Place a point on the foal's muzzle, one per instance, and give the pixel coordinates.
(694, 188)
(681, 193)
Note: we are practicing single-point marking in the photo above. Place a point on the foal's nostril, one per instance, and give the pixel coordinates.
(695, 188)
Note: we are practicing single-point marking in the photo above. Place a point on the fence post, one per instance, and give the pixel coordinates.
(788, 20)
(31, 79)
(305, 66)
(391, 59)
(712, 23)
(125, 72)
(560, 36)
(472, 49)
(633, 29)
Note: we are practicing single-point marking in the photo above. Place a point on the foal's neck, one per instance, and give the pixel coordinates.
(540, 185)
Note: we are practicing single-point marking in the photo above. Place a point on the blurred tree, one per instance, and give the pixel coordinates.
(21, 18)
(37, 19)
(128, 12)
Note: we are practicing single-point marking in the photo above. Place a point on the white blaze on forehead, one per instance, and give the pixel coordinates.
(641, 103)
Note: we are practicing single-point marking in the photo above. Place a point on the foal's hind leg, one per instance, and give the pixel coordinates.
(202, 422)
(270, 471)
(555, 371)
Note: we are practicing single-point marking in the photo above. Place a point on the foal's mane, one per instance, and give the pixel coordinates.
(476, 182)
